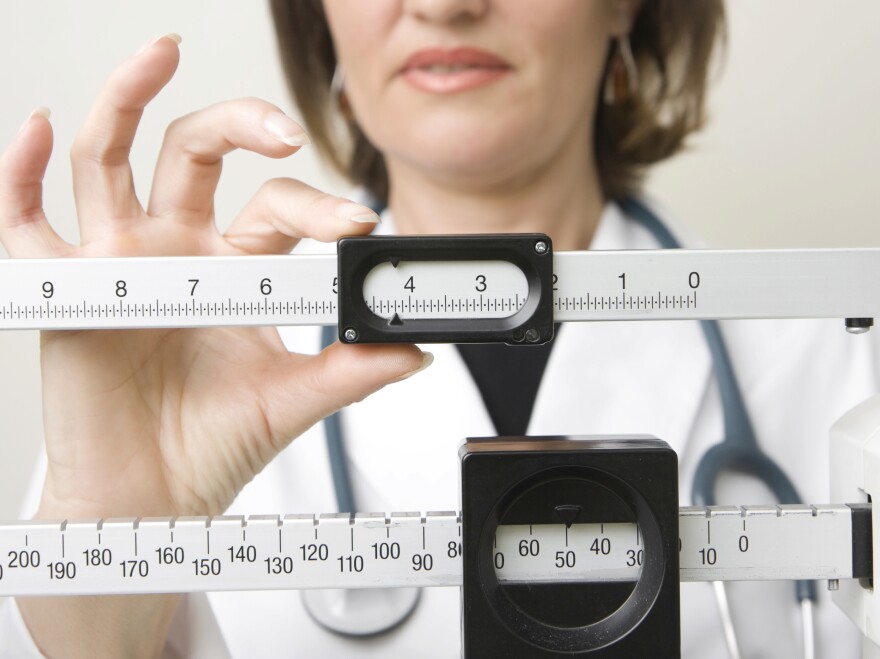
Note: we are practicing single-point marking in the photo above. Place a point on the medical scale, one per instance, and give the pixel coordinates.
(546, 524)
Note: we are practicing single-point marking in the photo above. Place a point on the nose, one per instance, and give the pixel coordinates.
(446, 11)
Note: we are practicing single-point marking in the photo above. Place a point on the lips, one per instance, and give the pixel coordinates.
(445, 71)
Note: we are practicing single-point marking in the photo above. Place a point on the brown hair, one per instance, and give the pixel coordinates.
(672, 42)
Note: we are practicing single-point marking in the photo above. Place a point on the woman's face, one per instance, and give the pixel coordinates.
(478, 92)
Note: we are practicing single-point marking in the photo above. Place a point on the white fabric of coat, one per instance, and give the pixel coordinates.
(654, 378)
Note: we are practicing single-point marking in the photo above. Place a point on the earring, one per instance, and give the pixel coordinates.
(622, 78)
(337, 83)
(338, 99)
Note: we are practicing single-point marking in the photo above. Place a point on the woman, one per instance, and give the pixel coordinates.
(468, 116)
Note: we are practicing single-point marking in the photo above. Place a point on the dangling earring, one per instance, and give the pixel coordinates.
(337, 82)
(622, 78)
(337, 93)
(341, 123)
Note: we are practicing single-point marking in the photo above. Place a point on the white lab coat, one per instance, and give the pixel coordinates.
(798, 377)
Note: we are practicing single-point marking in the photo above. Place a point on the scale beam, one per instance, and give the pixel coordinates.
(413, 549)
(115, 293)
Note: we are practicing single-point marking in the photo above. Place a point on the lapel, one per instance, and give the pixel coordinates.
(602, 378)
(627, 377)
(403, 441)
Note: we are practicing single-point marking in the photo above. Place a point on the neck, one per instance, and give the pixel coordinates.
(561, 199)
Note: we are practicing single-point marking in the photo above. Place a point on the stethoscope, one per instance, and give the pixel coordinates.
(361, 613)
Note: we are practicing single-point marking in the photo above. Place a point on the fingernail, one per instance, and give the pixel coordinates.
(284, 129)
(427, 360)
(173, 36)
(352, 212)
(38, 112)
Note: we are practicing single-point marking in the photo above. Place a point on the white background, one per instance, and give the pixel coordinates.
(789, 158)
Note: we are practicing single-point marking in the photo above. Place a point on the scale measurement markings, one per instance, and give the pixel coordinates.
(624, 302)
(167, 292)
(478, 307)
(405, 549)
(170, 312)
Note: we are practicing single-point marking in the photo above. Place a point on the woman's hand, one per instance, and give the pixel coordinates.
(172, 422)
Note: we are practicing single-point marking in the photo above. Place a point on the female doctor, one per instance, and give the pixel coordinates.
(465, 116)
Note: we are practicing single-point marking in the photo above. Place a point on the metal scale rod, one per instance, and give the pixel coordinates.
(303, 290)
(189, 554)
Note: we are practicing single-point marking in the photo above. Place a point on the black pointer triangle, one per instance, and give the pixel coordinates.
(395, 320)
(568, 514)
(395, 260)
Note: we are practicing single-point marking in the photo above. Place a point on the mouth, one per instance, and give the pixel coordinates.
(444, 71)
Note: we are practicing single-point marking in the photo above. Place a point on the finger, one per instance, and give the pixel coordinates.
(305, 390)
(191, 159)
(24, 229)
(102, 180)
(285, 210)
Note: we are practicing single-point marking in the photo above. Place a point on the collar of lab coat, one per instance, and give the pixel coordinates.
(602, 378)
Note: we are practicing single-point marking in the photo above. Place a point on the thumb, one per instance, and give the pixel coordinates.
(305, 389)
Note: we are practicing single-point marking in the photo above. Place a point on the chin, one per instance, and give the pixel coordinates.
(467, 149)
(472, 167)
